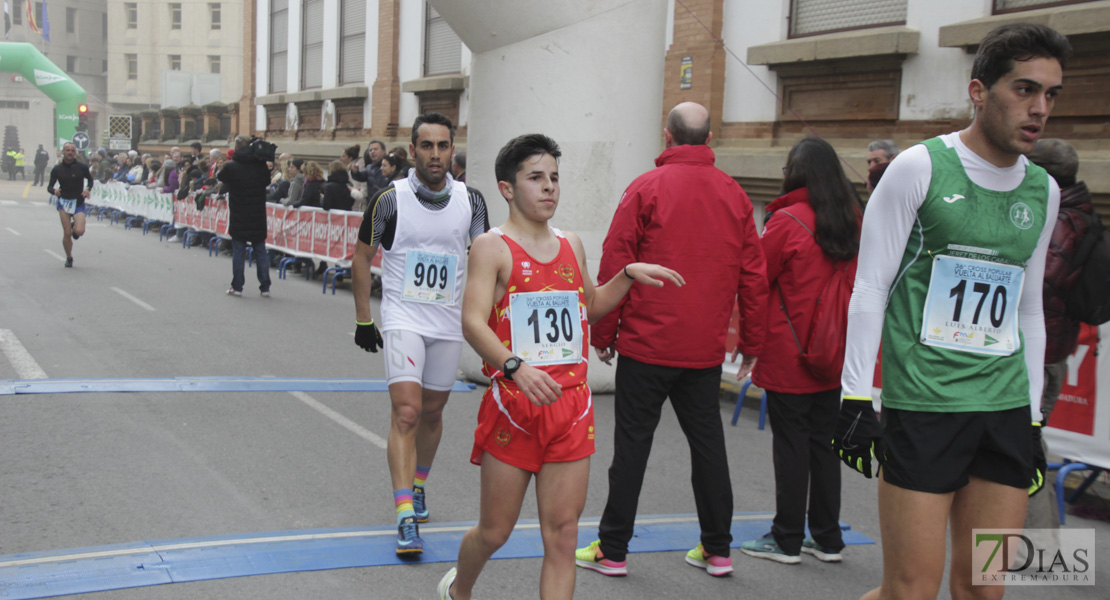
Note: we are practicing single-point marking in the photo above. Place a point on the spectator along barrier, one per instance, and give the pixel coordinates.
(302, 234)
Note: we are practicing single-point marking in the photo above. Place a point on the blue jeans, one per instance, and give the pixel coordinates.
(261, 260)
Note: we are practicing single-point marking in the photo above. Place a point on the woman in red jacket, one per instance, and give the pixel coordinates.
(813, 229)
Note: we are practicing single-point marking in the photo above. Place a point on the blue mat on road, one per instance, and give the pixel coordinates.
(84, 570)
(199, 384)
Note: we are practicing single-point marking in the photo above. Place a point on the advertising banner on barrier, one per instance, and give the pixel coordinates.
(289, 229)
(311, 232)
(1079, 428)
(272, 224)
(208, 216)
(354, 222)
(304, 231)
(222, 216)
(320, 233)
(179, 212)
(194, 216)
(337, 235)
(135, 200)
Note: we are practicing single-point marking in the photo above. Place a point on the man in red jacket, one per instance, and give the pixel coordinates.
(692, 217)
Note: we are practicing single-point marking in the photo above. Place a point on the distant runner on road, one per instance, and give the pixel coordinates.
(70, 196)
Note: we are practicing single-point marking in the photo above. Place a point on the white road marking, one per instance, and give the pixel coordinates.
(323, 536)
(14, 232)
(15, 202)
(19, 357)
(350, 425)
(55, 255)
(133, 299)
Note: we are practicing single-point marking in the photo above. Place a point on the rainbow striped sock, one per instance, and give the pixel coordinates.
(402, 499)
(421, 476)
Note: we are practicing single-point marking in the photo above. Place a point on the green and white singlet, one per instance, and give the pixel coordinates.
(961, 307)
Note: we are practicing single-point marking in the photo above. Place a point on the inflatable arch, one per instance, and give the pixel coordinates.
(24, 59)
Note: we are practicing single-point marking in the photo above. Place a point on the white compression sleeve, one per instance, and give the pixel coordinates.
(1031, 312)
(891, 215)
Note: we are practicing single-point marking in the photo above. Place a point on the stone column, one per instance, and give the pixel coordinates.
(558, 68)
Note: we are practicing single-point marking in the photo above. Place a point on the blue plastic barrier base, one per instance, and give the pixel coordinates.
(199, 384)
(84, 570)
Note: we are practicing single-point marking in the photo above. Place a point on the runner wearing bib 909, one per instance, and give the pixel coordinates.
(422, 224)
(952, 258)
(69, 197)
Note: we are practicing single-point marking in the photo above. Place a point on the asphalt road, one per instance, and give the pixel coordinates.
(89, 470)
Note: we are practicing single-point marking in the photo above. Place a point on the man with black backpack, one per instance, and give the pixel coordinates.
(1076, 244)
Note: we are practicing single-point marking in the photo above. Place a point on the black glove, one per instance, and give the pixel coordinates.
(857, 434)
(368, 337)
(1040, 465)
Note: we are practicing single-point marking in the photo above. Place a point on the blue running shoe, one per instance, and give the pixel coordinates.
(408, 538)
(419, 505)
(767, 547)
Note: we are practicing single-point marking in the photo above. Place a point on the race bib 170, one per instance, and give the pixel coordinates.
(972, 306)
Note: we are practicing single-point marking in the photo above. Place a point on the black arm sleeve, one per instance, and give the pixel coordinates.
(379, 223)
(479, 222)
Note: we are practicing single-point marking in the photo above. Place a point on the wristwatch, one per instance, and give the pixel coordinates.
(511, 366)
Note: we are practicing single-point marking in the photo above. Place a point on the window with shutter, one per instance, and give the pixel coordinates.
(352, 45)
(1005, 6)
(809, 17)
(279, 45)
(312, 48)
(442, 48)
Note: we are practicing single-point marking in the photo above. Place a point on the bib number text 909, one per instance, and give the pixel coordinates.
(430, 276)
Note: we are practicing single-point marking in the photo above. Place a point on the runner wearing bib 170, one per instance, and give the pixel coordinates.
(952, 258)
(70, 196)
(422, 224)
(529, 300)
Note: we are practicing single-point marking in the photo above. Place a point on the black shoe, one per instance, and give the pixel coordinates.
(69, 262)
(74, 235)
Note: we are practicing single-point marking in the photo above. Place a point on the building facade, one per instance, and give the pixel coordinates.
(78, 45)
(332, 73)
(174, 54)
(770, 72)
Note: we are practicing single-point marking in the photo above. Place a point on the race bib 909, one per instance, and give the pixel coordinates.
(429, 277)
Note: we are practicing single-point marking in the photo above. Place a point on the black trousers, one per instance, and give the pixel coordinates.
(641, 390)
(806, 467)
(40, 175)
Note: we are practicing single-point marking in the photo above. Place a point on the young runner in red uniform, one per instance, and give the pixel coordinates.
(527, 303)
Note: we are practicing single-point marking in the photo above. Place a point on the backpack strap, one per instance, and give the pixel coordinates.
(783, 211)
(783, 298)
(836, 266)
